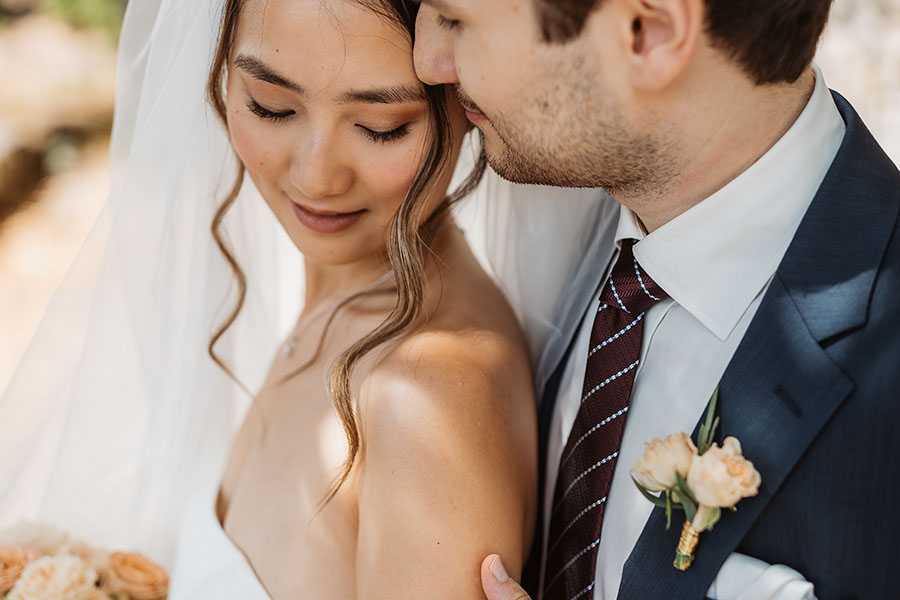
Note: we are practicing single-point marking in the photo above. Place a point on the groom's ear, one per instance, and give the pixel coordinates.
(661, 38)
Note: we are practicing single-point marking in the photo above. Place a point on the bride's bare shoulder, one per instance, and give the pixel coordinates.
(469, 356)
(448, 469)
(458, 366)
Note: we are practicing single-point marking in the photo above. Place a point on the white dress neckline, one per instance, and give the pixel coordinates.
(208, 564)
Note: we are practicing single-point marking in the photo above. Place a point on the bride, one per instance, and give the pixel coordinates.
(392, 439)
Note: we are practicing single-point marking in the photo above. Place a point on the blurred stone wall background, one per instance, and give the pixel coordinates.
(57, 88)
(57, 84)
(860, 58)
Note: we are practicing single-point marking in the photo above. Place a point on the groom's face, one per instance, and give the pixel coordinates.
(550, 113)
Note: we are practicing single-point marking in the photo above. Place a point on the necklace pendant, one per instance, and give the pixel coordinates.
(288, 349)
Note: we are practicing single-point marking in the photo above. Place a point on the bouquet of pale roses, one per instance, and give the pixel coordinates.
(700, 479)
(39, 562)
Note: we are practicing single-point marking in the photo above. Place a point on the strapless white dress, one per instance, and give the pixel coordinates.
(207, 563)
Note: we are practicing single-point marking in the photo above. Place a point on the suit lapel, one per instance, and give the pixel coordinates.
(781, 386)
(778, 391)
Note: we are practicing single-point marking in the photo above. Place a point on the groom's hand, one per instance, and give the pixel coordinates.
(496, 582)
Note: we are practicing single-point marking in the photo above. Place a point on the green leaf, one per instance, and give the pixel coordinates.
(682, 486)
(688, 502)
(690, 509)
(656, 500)
(708, 429)
(668, 510)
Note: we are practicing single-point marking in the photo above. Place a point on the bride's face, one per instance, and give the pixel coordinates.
(327, 115)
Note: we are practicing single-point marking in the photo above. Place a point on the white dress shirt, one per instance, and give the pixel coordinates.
(715, 261)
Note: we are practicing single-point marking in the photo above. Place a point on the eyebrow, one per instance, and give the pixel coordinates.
(259, 70)
(438, 4)
(393, 94)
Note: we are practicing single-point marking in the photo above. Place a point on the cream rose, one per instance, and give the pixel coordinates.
(662, 459)
(722, 476)
(56, 578)
(36, 536)
(95, 558)
(134, 576)
(13, 560)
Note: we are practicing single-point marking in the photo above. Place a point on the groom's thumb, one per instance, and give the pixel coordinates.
(497, 583)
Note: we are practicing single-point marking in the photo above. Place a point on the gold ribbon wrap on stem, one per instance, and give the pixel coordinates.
(684, 555)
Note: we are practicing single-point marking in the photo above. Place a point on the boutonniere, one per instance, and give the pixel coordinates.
(701, 479)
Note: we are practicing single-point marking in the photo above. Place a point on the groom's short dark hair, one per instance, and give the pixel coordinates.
(773, 40)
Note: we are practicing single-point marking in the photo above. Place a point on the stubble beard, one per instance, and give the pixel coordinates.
(574, 136)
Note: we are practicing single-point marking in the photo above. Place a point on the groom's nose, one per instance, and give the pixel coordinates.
(433, 51)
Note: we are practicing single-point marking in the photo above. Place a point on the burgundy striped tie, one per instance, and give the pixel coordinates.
(589, 458)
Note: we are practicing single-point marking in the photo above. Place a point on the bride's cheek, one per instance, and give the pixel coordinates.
(249, 143)
(395, 183)
(400, 173)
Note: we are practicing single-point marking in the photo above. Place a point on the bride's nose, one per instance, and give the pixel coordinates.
(318, 167)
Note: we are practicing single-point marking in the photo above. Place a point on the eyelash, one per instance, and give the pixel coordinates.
(383, 137)
(447, 23)
(265, 113)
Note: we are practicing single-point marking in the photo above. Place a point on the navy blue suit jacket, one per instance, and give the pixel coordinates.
(813, 394)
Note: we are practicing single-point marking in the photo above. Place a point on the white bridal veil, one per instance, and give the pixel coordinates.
(116, 414)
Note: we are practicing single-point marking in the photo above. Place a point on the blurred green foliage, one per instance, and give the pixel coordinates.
(105, 15)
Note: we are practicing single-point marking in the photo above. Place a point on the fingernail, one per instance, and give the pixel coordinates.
(498, 571)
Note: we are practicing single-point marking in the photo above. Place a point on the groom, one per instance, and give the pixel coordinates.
(756, 251)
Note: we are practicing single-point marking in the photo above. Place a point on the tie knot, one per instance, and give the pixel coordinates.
(629, 288)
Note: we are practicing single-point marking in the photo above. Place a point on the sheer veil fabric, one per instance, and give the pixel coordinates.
(116, 415)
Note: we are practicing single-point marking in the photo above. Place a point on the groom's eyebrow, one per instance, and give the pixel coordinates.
(260, 70)
(437, 4)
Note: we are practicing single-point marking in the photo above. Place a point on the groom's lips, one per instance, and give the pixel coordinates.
(473, 113)
(474, 116)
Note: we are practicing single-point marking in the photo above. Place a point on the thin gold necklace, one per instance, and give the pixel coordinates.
(287, 350)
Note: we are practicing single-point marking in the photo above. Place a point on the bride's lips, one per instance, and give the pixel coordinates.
(325, 222)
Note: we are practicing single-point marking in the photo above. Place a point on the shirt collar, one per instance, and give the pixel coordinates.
(717, 257)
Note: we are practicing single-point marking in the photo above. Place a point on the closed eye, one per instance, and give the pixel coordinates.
(447, 23)
(269, 115)
(385, 137)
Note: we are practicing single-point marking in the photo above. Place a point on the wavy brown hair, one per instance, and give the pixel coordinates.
(408, 232)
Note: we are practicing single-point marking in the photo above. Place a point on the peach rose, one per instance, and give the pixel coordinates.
(56, 578)
(135, 577)
(36, 536)
(662, 460)
(13, 560)
(722, 476)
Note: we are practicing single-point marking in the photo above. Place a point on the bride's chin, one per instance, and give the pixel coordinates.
(339, 251)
